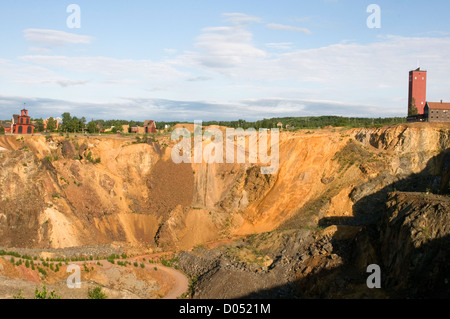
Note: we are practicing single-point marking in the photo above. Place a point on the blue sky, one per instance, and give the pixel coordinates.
(203, 60)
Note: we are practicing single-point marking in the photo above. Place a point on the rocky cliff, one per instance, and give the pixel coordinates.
(58, 191)
(410, 243)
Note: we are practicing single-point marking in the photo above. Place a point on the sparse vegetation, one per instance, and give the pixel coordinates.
(51, 158)
(19, 295)
(168, 262)
(44, 294)
(351, 154)
(96, 293)
(42, 271)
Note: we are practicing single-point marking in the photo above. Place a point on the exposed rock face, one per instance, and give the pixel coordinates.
(411, 245)
(415, 243)
(68, 149)
(138, 196)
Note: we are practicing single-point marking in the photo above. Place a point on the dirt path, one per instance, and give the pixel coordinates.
(180, 281)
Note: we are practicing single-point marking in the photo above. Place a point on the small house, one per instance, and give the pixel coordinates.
(437, 112)
(150, 127)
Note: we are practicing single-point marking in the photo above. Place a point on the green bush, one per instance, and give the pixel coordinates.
(42, 271)
(44, 294)
(19, 295)
(97, 293)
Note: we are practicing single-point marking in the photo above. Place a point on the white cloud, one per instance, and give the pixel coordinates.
(39, 50)
(111, 67)
(199, 79)
(240, 18)
(170, 51)
(67, 83)
(55, 37)
(248, 79)
(276, 26)
(302, 19)
(227, 47)
(178, 110)
(280, 45)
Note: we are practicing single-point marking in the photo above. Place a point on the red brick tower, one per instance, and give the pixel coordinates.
(417, 92)
(23, 126)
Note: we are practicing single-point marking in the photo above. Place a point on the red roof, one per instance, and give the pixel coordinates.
(438, 106)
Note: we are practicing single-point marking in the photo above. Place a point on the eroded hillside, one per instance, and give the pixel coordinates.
(61, 192)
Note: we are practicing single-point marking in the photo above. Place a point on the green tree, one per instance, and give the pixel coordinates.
(412, 108)
(66, 120)
(74, 125)
(2, 130)
(39, 125)
(92, 127)
(51, 124)
(82, 124)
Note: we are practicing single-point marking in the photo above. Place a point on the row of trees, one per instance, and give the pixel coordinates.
(74, 124)
(52, 124)
(305, 122)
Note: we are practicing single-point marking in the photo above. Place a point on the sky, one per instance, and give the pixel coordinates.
(186, 60)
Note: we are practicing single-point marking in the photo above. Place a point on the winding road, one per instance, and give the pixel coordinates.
(180, 281)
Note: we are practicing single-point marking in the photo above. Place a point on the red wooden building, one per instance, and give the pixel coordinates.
(6, 126)
(21, 124)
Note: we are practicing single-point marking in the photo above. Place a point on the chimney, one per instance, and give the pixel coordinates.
(441, 101)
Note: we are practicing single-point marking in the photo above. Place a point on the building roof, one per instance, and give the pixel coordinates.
(6, 125)
(149, 123)
(438, 106)
(16, 118)
(418, 70)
